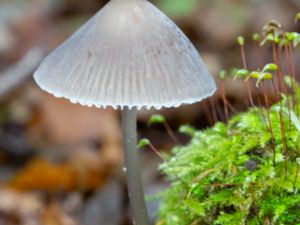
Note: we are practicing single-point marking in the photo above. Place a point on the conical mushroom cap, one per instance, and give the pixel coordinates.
(128, 54)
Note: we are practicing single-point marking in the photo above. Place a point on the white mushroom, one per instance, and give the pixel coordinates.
(128, 56)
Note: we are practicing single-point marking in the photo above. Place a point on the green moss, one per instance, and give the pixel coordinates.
(227, 174)
(247, 171)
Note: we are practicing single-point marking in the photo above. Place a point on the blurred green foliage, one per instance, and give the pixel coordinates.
(178, 7)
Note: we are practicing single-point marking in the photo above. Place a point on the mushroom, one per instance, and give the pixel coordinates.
(128, 56)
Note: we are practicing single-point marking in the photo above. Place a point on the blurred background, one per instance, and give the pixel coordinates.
(61, 164)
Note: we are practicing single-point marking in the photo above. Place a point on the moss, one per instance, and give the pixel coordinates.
(227, 174)
(247, 171)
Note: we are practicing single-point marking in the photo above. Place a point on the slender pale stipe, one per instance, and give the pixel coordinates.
(134, 183)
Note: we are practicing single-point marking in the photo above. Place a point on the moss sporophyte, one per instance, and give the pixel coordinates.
(140, 60)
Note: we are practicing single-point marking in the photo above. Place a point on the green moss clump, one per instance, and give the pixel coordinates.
(236, 173)
(247, 171)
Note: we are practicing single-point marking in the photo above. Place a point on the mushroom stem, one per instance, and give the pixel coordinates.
(134, 182)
